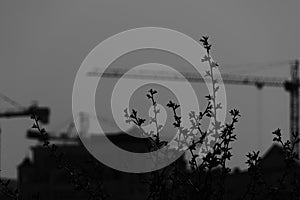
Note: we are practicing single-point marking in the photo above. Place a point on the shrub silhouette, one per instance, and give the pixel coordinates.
(203, 176)
(206, 179)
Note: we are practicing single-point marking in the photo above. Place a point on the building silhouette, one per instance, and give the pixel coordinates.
(42, 177)
(273, 167)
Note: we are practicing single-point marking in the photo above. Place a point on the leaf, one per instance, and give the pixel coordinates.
(170, 104)
(234, 112)
(208, 97)
(204, 40)
(205, 58)
(34, 126)
(126, 113)
(218, 106)
(152, 92)
(207, 74)
(156, 111)
(214, 64)
(134, 112)
(277, 132)
(141, 121)
(192, 115)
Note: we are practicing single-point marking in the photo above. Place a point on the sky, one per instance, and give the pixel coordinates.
(43, 43)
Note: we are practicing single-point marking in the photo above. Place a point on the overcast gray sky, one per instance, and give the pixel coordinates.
(42, 44)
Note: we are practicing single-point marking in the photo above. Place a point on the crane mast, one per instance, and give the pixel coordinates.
(293, 88)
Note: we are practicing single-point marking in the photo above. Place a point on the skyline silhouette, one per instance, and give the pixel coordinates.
(44, 43)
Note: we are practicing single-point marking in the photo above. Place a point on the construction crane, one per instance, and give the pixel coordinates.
(21, 111)
(64, 136)
(61, 137)
(68, 136)
(42, 112)
(290, 85)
